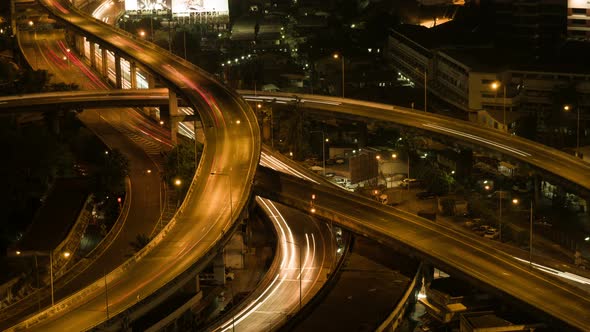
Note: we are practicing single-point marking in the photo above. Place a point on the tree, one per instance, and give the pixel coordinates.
(140, 241)
(111, 173)
(181, 162)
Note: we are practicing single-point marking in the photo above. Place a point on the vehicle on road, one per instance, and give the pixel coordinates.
(491, 234)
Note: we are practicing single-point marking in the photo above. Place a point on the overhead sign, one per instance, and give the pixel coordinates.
(148, 4)
(187, 6)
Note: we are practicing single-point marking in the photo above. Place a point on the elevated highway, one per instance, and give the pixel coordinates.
(210, 98)
(224, 175)
(446, 248)
(456, 251)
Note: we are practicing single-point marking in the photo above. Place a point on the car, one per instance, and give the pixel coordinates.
(425, 195)
(491, 234)
(412, 183)
(480, 230)
(472, 222)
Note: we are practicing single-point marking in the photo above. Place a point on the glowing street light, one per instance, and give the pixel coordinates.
(495, 86)
(336, 56)
(516, 201)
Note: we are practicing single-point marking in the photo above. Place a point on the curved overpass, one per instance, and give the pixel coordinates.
(543, 157)
(225, 174)
(451, 250)
(447, 248)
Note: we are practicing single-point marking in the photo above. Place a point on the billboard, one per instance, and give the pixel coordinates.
(148, 4)
(192, 6)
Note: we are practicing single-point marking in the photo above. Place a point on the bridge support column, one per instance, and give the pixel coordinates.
(173, 109)
(219, 269)
(104, 70)
(151, 81)
(133, 74)
(92, 55)
(118, 78)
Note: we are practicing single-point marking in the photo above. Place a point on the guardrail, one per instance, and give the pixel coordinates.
(392, 321)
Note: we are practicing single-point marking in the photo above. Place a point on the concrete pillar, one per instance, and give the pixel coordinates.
(151, 81)
(219, 269)
(105, 64)
(92, 54)
(118, 79)
(133, 74)
(173, 109)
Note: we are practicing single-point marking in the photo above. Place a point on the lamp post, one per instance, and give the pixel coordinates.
(336, 56)
(495, 86)
(66, 254)
(394, 156)
(300, 270)
(324, 140)
(568, 108)
(516, 201)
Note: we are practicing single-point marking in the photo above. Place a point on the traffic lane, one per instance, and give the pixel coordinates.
(472, 257)
(238, 154)
(298, 234)
(204, 220)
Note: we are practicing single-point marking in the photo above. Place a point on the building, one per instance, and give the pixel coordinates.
(578, 19)
(469, 75)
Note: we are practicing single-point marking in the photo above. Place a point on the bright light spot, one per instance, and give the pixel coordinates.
(515, 201)
(18, 252)
(394, 156)
(238, 121)
(161, 122)
(106, 152)
(587, 238)
(66, 254)
(313, 196)
(149, 171)
(312, 210)
(177, 182)
(452, 172)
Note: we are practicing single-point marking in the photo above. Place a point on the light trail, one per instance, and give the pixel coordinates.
(477, 138)
(562, 274)
(289, 264)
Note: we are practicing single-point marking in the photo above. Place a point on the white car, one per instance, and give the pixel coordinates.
(491, 234)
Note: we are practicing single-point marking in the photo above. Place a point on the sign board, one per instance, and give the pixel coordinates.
(148, 4)
(190, 6)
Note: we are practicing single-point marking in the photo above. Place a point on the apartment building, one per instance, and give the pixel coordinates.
(578, 19)
(491, 86)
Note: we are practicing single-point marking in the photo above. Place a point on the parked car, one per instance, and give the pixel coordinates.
(472, 222)
(491, 234)
(425, 195)
(480, 230)
(412, 183)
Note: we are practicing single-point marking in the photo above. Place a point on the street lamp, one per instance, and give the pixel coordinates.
(567, 108)
(142, 33)
(495, 86)
(394, 156)
(65, 254)
(516, 201)
(336, 56)
(324, 140)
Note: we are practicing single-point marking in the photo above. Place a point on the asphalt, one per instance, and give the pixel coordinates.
(368, 289)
